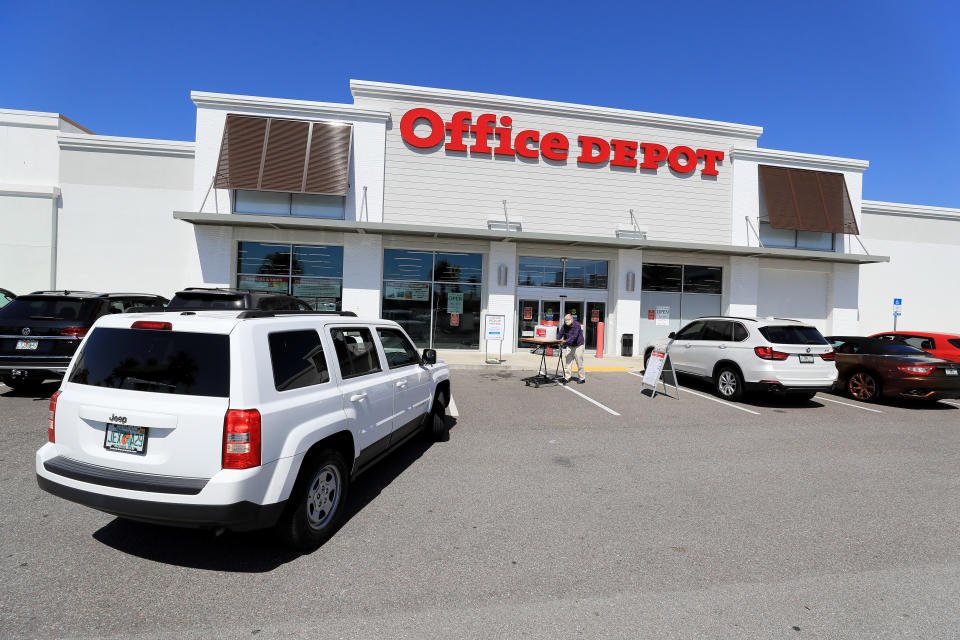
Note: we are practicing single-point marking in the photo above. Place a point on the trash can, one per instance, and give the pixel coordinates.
(626, 345)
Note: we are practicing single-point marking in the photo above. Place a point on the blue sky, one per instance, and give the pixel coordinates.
(873, 80)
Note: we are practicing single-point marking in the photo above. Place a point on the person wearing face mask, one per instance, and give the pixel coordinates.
(572, 335)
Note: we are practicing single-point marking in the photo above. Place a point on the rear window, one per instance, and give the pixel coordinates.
(176, 362)
(49, 308)
(955, 342)
(206, 301)
(792, 334)
(895, 349)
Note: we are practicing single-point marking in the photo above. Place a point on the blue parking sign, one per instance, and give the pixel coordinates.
(897, 301)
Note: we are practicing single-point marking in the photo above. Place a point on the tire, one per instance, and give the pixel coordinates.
(728, 384)
(436, 422)
(863, 386)
(317, 502)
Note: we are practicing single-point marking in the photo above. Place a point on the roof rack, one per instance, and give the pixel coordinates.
(66, 292)
(247, 315)
(223, 289)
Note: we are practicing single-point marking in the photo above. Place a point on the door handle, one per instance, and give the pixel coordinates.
(402, 384)
(687, 346)
(722, 346)
(357, 397)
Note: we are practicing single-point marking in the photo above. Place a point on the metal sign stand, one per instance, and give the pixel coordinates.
(494, 330)
(659, 375)
(486, 349)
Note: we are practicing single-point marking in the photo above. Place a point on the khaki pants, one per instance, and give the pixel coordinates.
(575, 354)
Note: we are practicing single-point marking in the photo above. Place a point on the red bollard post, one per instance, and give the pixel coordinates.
(599, 339)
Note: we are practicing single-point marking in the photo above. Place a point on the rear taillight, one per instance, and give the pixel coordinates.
(241, 439)
(74, 332)
(152, 324)
(916, 370)
(829, 355)
(768, 353)
(52, 417)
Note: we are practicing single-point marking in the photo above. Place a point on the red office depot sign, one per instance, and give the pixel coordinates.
(552, 145)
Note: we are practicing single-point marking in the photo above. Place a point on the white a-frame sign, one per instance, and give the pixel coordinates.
(659, 362)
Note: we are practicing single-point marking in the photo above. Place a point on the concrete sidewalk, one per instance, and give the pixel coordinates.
(526, 361)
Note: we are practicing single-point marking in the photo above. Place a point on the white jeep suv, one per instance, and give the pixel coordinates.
(752, 354)
(236, 419)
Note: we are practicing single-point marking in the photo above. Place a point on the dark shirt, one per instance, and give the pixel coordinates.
(572, 335)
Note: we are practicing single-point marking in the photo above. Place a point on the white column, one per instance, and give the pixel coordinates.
(843, 300)
(362, 272)
(627, 306)
(212, 264)
(743, 287)
(502, 298)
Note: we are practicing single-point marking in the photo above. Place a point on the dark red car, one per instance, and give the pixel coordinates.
(939, 345)
(871, 368)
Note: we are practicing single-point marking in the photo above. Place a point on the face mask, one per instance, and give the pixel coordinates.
(568, 322)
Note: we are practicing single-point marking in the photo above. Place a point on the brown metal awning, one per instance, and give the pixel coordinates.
(807, 200)
(295, 156)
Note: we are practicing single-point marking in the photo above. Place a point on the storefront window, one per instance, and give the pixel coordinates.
(790, 239)
(540, 272)
(275, 203)
(434, 296)
(585, 274)
(311, 272)
(674, 294)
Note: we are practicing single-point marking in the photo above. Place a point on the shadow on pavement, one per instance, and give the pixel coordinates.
(40, 393)
(248, 552)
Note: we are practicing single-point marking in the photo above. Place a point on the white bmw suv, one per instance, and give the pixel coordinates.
(236, 419)
(752, 354)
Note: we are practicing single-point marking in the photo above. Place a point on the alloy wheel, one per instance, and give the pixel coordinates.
(323, 496)
(727, 383)
(862, 386)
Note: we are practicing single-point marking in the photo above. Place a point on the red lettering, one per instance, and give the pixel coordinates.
(587, 144)
(624, 153)
(521, 144)
(709, 161)
(457, 125)
(554, 146)
(674, 160)
(436, 128)
(503, 132)
(481, 130)
(653, 155)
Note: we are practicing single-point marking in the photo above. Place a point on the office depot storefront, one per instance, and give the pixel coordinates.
(436, 208)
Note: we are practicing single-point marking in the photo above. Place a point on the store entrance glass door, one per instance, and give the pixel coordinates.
(574, 308)
(596, 313)
(528, 315)
(551, 312)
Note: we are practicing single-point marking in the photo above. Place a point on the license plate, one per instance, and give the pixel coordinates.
(951, 372)
(27, 344)
(123, 438)
(807, 359)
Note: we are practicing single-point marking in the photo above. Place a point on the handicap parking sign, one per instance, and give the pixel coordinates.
(897, 301)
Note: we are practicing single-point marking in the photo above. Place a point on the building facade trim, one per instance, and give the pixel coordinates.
(384, 90)
(84, 142)
(348, 226)
(305, 108)
(29, 190)
(909, 210)
(801, 159)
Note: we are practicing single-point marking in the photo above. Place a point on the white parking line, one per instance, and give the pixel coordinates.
(847, 404)
(724, 402)
(452, 409)
(955, 404)
(591, 400)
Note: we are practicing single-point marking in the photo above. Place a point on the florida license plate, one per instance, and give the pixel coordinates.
(951, 372)
(28, 344)
(120, 437)
(807, 359)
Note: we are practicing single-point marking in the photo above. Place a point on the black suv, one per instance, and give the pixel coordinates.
(202, 298)
(40, 331)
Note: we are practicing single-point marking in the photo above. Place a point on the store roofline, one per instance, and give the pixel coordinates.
(351, 226)
(391, 91)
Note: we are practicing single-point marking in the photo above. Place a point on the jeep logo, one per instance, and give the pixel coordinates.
(117, 419)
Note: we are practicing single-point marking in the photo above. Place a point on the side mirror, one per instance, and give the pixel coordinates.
(429, 356)
(672, 335)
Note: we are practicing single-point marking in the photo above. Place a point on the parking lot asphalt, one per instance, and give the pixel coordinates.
(588, 511)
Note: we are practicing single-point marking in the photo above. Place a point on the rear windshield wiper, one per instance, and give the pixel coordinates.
(153, 383)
